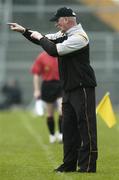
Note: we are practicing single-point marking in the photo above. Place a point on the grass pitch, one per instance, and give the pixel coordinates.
(25, 152)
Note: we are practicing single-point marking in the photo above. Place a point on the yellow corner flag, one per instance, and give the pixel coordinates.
(105, 111)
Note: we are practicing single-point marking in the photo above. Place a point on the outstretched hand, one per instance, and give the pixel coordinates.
(16, 27)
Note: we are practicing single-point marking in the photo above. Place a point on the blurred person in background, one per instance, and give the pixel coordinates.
(12, 95)
(71, 45)
(48, 88)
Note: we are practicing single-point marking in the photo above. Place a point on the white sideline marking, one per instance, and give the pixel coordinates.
(39, 140)
(50, 157)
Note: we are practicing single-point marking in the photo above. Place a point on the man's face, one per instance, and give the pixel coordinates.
(61, 24)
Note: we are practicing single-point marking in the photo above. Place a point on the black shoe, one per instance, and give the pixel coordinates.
(64, 168)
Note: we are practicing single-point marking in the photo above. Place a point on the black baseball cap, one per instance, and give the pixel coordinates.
(63, 12)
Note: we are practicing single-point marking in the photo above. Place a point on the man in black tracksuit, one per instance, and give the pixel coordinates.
(71, 46)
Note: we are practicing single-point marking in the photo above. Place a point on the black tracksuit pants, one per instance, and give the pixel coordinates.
(79, 129)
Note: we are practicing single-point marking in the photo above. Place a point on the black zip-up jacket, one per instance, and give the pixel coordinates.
(74, 68)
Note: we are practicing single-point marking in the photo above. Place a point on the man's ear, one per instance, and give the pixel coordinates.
(66, 19)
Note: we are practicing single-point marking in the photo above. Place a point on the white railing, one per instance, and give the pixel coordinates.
(6, 9)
